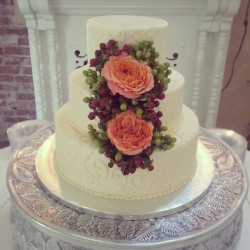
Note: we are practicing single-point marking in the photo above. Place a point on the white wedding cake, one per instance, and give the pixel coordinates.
(76, 157)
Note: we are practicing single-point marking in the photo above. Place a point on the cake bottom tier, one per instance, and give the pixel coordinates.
(78, 162)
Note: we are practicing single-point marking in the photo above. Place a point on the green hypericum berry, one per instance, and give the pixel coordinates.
(93, 92)
(101, 150)
(97, 142)
(160, 76)
(165, 146)
(161, 67)
(89, 80)
(85, 73)
(154, 72)
(100, 79)
(164, 88)
(134, 102)
(139, 111)
(167, 64)
(90, 127)
(96, 86)
(98, 67)
(139, 54)
(100, 126)
(155, 64)
(102, 136)
(86, 99)
(173, 139)
(147, 55)
(150, 43)
(156, 54)
(165, 80)
(123, 106)
(91, 134)
(169, 71)
(156, 135)
(135, 47)
(118, 156)
(164, 128)
(90, 71)
(157, 141)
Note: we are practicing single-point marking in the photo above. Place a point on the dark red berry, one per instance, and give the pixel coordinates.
(158, 123)
(151, 114)
(111, 42)
(93, 104)
(97, 53)
(160, 85)
(103, 120)
(113, 111)
(103, 91)
(122, 99)
(103, 46)
(117, 52)
(161, 96)
(103, 103)
(93, 62)
(156, 103)
(91, 116)
(126, 171)
(137, 161)
(110, 165)
(130, 163)
(141, 165)
(149, 151)
(119, 163)
(159, 114)
(126, 48)
(105, 112)
(132, 170)
(150, 167)
(109, 52)
(152, 96)
(108, 154)
(151, 105)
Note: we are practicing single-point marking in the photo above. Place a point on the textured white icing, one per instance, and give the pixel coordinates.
(171, 106)
(80, 164)
(126, 29)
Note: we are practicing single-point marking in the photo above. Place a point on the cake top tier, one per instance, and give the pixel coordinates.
(126, 29)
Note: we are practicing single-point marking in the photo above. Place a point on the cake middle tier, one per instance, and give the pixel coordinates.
(80, 164)
(171, 106)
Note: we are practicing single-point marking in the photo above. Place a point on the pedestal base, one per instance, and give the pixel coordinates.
(41, 222)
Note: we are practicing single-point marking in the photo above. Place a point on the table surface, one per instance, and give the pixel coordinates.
(6, 238)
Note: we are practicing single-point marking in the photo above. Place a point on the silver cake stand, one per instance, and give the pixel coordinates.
(210, 219)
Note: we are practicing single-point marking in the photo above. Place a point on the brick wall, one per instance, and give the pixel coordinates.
(16, 84)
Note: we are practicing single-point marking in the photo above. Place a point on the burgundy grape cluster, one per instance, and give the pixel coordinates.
(105, 106)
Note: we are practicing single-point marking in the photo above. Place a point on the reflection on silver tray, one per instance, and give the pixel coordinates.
(82, 201)
(211, 223)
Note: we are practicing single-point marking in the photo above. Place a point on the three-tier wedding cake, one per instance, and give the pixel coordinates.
(123, 103)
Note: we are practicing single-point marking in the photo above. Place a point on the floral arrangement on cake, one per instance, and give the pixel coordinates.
(126, 86)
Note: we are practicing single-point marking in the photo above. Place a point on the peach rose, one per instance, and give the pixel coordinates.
(130, 133)
(127, 76)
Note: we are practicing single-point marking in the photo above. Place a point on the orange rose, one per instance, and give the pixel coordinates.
(127, 76)
(130, 133)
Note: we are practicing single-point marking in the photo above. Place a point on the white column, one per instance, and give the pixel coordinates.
(37, 73)
(54, 72)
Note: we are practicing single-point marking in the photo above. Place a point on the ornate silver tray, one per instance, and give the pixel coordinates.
(41, 221)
